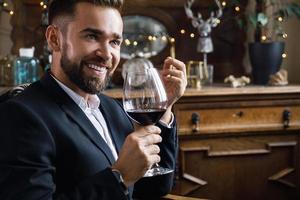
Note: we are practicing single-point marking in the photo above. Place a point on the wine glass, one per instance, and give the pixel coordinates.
(145, 101)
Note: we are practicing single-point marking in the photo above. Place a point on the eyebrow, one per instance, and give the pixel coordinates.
(99, 32)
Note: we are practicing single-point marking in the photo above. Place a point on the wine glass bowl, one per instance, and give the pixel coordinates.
(145, 101)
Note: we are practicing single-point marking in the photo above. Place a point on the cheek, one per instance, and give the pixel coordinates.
(70, 50)
(115, 58)
(77, 51)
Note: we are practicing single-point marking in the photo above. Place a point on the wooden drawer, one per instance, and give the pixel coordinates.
(236, 119)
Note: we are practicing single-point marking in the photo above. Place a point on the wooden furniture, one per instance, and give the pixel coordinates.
(176, 197)
(238, 143)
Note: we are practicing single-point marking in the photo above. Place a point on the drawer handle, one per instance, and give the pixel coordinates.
(286, 118)
(239, 114)
(195, 122)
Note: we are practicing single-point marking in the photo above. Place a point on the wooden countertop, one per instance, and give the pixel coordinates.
(222, 90)
(215, 90)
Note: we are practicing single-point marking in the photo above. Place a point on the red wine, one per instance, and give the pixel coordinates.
(146, 117)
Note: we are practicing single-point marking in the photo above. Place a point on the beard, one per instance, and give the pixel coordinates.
(75, 72)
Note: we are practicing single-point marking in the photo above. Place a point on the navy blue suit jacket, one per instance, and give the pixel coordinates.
(50, 150)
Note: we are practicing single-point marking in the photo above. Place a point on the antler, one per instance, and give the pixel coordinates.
(213, 19)
(195, 20)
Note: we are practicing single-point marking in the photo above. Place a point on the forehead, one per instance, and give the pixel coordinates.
(98, 17)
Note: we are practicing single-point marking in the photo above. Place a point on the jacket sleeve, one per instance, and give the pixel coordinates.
(157, 186)
(27, 162)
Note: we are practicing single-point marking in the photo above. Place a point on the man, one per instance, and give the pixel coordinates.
(59, 140)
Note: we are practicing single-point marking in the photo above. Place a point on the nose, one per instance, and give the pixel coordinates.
(104, 52)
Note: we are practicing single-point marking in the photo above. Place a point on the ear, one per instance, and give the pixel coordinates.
(53, 38)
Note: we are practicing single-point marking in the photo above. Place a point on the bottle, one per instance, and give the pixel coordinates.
(26, 67)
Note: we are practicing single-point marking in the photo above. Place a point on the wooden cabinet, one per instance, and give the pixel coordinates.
(239, 143)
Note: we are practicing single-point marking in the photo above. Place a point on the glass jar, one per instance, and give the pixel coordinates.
(18, 70)
(26, 70)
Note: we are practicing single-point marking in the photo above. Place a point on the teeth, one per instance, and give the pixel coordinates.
(100, 69)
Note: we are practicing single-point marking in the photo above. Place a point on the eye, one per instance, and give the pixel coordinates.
(116, 42)
(91, 37)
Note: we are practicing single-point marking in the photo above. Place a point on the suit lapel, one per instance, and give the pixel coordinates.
(77, 115)
(112, 129)
(89, 130)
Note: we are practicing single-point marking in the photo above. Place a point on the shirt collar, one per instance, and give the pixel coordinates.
(93, 101)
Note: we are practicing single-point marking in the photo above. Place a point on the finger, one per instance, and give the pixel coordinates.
(176, 73)
(172, 71)
(153, 149)
(153, 159)
(142, 131)
(151, 129)
(182, 82)
(174, 63)
(151, 139)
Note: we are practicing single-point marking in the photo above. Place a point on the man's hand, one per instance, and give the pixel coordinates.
(175, 81)
(174, 77)
(139, 153)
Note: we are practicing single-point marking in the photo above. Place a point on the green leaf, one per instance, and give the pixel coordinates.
(262, 19)
(296, 9)
(253, 20)
(289, 11)
(241, 23)
(236, 2)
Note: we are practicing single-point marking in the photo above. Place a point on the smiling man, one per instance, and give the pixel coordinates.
(62, 139)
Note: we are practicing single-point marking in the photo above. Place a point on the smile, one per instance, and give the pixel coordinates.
(98, 68)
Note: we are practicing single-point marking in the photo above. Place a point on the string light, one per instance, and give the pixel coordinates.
(3, 7)
(182, 31)
(284, 35)
(280, 19)
(223, 3)
(127, 42)
(237, 9)
(151, 38)
(192, 35)
(164, 38)
(284, 55)
(263, 38)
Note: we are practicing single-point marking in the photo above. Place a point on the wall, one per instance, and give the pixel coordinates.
(5, 30)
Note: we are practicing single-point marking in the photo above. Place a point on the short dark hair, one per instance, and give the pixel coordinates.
(67, 7)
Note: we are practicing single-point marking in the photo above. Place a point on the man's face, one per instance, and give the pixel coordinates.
(91, 47)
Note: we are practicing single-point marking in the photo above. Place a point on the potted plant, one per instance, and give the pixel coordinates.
(267, 48)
